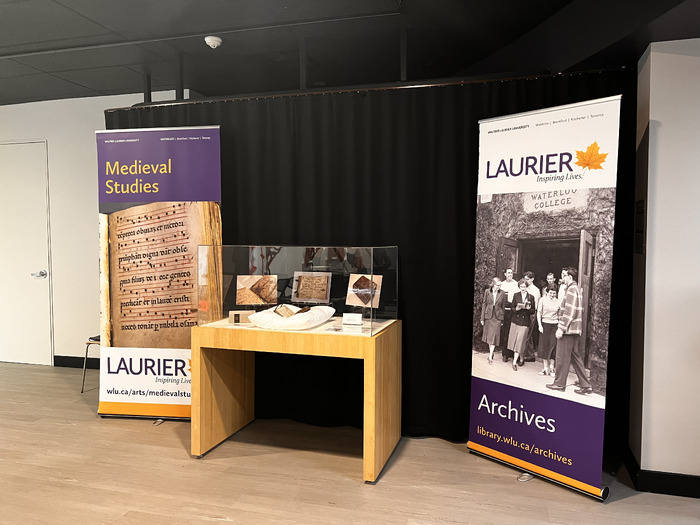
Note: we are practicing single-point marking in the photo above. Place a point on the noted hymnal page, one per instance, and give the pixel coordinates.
(312, 287)
(153, 271)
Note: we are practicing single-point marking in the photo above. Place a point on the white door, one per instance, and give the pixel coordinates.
(26, 331)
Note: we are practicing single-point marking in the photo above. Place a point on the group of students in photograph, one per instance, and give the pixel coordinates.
(517, 313)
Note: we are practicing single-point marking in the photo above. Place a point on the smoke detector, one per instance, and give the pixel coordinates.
(212, 41)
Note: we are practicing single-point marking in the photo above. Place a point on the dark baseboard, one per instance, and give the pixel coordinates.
(662, 482)
(66, 361)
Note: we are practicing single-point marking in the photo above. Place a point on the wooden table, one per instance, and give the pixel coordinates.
(223, 381)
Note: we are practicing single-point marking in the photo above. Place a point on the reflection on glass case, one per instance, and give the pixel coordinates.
(327, 288)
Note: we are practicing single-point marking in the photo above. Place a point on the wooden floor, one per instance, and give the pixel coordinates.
(61, 463)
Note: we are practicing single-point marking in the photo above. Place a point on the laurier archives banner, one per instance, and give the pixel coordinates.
(545, 220)
(158, 192)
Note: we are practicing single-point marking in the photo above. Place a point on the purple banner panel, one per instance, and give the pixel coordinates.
(159, 165)
(556, 434)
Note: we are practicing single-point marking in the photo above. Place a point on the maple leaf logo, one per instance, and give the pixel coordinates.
(592, 158)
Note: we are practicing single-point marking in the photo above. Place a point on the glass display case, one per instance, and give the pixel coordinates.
(320, 288)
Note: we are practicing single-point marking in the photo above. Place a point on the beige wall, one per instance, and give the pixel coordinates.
(69, 128)
(665, 417)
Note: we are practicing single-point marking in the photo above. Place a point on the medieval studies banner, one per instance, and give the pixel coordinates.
(159, 191)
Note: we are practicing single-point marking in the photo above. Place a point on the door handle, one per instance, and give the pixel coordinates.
(41, 274)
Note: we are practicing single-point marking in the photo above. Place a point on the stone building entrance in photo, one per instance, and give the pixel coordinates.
(542, 255)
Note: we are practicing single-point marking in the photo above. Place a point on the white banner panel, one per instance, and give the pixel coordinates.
(569, 147)
(145, 381)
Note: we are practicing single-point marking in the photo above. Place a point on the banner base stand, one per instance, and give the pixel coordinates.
(154, 418)
(599, 494)
(146, 410)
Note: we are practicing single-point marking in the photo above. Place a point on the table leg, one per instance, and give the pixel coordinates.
(382, 401)
(223, 395)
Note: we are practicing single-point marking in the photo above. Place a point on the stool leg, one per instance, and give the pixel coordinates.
(87, 346)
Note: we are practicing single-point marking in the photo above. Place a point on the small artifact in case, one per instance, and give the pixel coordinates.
(239, 316)
(364, 290)
(286, 310)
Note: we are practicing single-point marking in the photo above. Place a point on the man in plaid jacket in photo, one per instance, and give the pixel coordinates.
(569, 337)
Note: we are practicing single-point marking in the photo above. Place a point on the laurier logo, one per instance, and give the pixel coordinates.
(551, 166)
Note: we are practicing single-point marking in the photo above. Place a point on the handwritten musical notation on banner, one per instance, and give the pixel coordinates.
(153, 274)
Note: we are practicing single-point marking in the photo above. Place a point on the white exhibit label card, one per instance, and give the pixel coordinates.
(352, 319)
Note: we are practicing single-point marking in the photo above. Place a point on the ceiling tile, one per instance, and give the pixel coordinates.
(41, 24)
(11, 68)
(106, 80)
(89, 58)
(29, 88)
(136, 19)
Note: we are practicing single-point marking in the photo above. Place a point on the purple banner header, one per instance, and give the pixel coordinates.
(159, 165)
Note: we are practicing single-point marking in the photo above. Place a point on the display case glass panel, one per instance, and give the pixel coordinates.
(354, 288)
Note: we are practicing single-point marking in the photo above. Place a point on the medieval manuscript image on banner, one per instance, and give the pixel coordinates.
(153, 271)
(544, 238)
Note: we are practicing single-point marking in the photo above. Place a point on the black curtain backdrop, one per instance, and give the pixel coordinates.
(391, 166)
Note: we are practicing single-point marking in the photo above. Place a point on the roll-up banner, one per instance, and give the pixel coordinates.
(159, 194)
(545, 220)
